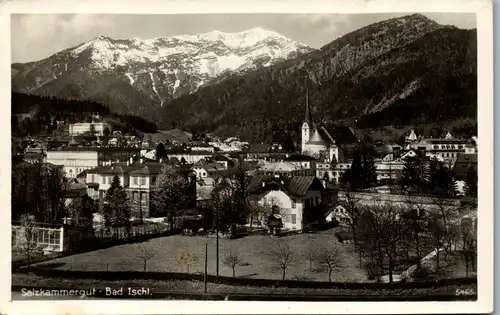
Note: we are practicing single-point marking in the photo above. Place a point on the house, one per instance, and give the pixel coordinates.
(138, 179)
(338, 214)
(296, 199)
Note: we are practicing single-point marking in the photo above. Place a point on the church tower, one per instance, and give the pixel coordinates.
(307, 124)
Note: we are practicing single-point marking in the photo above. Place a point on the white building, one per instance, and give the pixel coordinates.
(95, 128)
(292, 198)
(78, 159)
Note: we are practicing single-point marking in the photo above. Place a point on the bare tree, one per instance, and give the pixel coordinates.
(232, 260)
(354, 210)
(144, 254)
(447, 210)
(28, 240)
(310, 252)
(415, 223)
(282, 255)
(330, 258)
(185, 258)
(387, 228)
(469, 244)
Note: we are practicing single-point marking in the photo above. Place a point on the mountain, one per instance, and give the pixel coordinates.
(407, 70)
(136, 76)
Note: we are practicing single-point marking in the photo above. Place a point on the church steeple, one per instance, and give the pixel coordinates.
(308, 116)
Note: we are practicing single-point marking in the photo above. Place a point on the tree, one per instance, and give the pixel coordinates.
(144, 254)
(117, 208)
(106, 132)
(282, 255)
(185, 258)
(258, 212)
(469, 243)
(29, 245)
(385, 229)
(231, 194)
(232, 260)
(330, 259)
(161, 153)
(82, 211)
(362, 173)
(414, 174)
(471, 182)
(415, 223)
(310, 252)
(354, 210)
(172, 197)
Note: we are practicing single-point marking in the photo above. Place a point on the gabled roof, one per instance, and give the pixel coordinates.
(149, 169)
(296, 185)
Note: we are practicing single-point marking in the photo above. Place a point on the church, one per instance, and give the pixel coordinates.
(316, 141)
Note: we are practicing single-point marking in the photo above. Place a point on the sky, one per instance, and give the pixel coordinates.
(37, 36)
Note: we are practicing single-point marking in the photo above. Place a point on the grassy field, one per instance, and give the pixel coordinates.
(251, 249)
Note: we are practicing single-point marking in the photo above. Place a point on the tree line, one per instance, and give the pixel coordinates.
(46, 111)
(389, 238)
(419, 174)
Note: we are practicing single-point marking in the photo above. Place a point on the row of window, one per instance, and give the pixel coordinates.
(448, 146)
(42, 236)
(135, 180)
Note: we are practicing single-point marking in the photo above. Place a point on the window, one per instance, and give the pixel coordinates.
(294, 218)
(92, 178)
(104, 180)
(153, 179)
(135, 180)
(293, 203)
(143, 180)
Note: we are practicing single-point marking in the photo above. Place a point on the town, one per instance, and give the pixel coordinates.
(394, 207)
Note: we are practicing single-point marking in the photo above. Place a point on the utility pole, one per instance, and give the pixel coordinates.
(206, 262)
(217, 242)
(140, 199)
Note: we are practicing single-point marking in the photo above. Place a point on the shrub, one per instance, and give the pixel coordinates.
(422, 273)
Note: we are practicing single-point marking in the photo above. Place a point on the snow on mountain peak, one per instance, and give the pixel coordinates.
(182, 63)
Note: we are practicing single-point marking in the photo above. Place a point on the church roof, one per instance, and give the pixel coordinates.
(316, 138)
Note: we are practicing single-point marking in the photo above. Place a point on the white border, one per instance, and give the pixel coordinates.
(484, 11)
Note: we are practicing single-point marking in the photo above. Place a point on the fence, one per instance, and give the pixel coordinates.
(150, 229)
(137, 275)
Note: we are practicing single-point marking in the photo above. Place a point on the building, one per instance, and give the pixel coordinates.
(78, 159)
(295, 199)
(464, 163)
(93, 128)
(267, 152)
(316, 140)
(447, 148)
(51, 238)
(138, 179)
